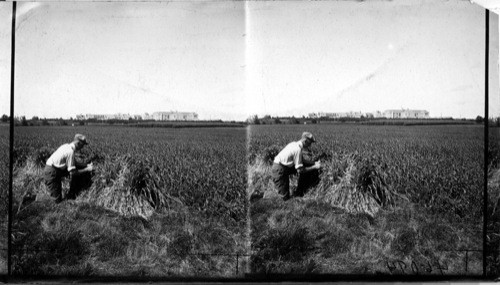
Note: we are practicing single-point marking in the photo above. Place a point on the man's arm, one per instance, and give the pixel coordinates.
(305, 169)
(88, 168)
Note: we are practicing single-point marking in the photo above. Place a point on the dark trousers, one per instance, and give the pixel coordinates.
(53, 180)
(306, 181)
(280, 175)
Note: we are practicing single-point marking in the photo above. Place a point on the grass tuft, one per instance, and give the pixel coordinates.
(181, 245)
(286, 245)
(336, 242)
(405, 241)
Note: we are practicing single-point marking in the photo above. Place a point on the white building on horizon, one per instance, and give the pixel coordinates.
(157, 116)
(174, 116)
(336, 115)
(406, 114)
(389, 114)
(103, 117)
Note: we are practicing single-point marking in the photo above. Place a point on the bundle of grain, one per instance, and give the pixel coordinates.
(259, 179)
(361, 188)
(269, 153)
(41, 156)
(126, 186)
(28, 183)
(350, 196)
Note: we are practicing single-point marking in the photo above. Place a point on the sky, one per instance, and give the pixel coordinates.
(229, 60)
(134, 57)
(494, 65)
(366, 56)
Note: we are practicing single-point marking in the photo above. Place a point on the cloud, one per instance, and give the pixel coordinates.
(381, 68)
(25, 12)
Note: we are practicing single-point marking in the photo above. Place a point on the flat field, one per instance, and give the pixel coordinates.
(173, 202)
(390, 200)
(161, 202)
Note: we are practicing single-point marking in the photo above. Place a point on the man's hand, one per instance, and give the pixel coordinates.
(317, 165)
(305, 169)
(90, 167)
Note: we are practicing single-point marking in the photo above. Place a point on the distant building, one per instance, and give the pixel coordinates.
(158, 116)
(390, 114)
(120, 116)
(174, 116)
(336, 115)
(103, 117)
(406, 114)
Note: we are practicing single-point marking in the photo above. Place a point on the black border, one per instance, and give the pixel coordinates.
(11, 140)
(486, 140)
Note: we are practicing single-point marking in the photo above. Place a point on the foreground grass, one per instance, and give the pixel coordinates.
(309, 236)
(493, 234)
(74, 238)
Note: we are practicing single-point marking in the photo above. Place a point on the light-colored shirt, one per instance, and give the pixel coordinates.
(291, 155)
(63, 157)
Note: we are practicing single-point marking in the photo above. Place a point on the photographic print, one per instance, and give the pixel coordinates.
(366, 149)
(254, 140)
(130, 142)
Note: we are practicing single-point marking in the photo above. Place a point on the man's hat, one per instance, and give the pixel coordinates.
(308, 135)
(81, 138)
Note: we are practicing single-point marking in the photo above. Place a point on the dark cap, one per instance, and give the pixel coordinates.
(308, 135)
(81, 138)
